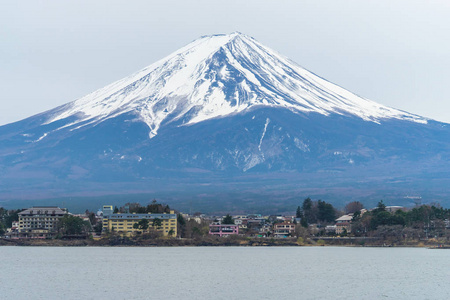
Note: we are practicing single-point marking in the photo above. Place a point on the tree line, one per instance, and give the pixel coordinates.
(313, 212)
(154, 208)
(7, 217)
(425, 221)
(422, 221)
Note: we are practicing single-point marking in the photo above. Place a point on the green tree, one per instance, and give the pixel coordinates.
(142, 225)
(71, 225)
(92, 218)
(98, 228)
(356, 216)
(228, 220)
(309, 211)
(299, 212)
(398, 218)
(181, 225)
(380, 218)
(381, 206)
(11, 216)
(307, 204)
(303, 222)
(326, 212)
(157, 222)
(2, 228)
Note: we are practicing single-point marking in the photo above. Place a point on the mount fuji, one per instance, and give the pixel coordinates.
(226, 122)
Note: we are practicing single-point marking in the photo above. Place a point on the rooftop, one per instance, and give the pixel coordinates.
(43, 210)
(285, 224)
(140, 216)
(344, 218)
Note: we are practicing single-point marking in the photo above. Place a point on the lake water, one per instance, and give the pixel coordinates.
(223, 273)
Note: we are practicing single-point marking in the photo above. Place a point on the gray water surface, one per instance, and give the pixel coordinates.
(223, 273)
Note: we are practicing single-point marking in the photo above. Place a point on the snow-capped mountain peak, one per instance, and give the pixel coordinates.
(216, 76)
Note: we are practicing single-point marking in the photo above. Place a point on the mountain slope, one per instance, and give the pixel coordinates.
(225, 113)
(218, 76)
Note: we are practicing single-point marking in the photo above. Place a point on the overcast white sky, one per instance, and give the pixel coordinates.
(393, 52)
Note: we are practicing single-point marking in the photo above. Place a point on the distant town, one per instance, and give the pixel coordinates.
(311, 223)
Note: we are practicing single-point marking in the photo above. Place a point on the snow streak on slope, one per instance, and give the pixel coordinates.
(217, 76)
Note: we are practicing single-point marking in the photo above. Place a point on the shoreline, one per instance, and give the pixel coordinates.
(210, 242)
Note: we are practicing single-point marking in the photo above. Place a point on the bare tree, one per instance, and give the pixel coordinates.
(353, 207)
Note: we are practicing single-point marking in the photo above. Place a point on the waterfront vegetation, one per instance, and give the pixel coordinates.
(7, 217)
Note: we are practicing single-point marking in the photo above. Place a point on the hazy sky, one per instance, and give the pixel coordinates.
(393, 52)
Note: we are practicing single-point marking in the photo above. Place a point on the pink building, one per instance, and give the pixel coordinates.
(223, 229)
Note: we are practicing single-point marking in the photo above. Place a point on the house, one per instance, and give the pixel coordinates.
(329, 229)
(255, 223)
(123, 223)
(196, 219)
(12, 232)
(238, 221)
(265, 229)
(284, 229)
(14, 226)
(343, 224)
(242, 225)
(40, 221)
(223, 229)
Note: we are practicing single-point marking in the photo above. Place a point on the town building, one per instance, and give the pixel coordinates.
(14, 226)
(238, 221)
(284, 229)
(12, 232)
(330, 229)
(242, 223)
(40, 221)
(343, 224)
(123, 223)
(264, 230)
(223, 229)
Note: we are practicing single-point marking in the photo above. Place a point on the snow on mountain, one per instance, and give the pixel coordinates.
(216, 76)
